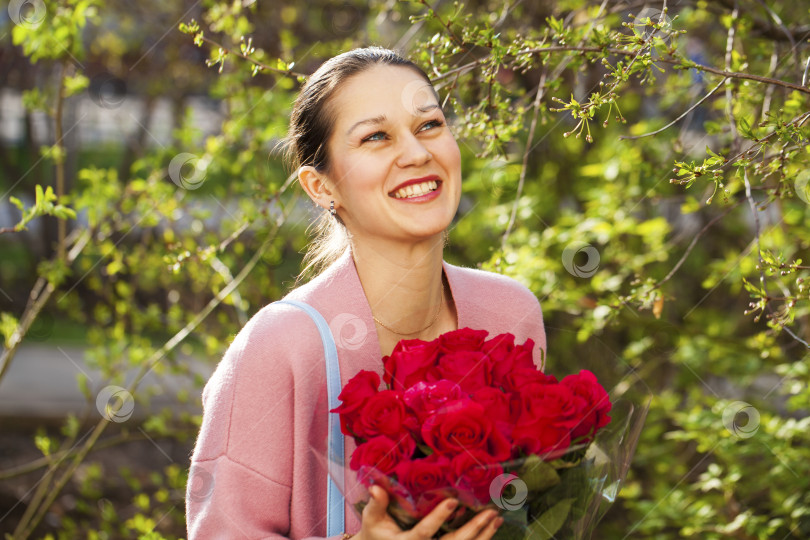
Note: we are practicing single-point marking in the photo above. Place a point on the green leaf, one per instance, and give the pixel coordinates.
(551, 521)
(44, 443)
(71, 426)
(513, 526)
(75, 84)
(537, 474)
(8, 325)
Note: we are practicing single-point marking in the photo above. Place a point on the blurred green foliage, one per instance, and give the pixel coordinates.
(675, 256)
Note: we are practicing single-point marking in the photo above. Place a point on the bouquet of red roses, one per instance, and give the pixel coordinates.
(474, 418)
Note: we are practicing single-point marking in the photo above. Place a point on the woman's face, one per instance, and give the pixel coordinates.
(394, 164)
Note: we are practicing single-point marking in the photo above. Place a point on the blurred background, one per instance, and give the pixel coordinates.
(641, 166)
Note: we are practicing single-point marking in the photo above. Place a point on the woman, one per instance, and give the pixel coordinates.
(373, 149)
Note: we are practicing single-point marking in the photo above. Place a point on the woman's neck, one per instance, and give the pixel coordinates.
(405, 290)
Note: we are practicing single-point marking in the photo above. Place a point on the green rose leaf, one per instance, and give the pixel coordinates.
(544, 527)
(538, 474)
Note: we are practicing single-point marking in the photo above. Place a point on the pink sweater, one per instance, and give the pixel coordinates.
(258, 468)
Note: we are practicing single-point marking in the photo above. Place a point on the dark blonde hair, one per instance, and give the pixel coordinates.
(311, 125)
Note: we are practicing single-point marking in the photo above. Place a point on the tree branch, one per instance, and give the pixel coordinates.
(778, 21)
(44, 461)
(765, 29)
(692, 245)
(685, 113)
(61, 223)
(541, 86)
(729, 95)
(38, 507)
(288, 72)
(38, 297)
(446, 24)
(624, 52)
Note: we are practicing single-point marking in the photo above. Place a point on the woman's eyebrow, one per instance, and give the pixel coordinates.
(427, 108)
(373, 121)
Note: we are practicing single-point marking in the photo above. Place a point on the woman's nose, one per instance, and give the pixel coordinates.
(412, 152)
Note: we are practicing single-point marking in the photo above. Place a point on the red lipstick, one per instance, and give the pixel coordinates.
(415, 181)
(429, 196)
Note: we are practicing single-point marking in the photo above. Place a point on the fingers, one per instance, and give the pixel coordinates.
(375, 520)
(491, 528)
(376, 523)
(429, 525)
(375, 510)
(482, 527)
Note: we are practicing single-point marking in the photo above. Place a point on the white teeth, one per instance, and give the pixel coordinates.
(416, 190)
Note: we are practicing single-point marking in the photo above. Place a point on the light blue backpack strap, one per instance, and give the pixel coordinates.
(335, 508)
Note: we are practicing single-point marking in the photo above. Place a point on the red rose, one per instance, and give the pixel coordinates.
(501, 407)
(354, 395)
(409, 362)
(467, 368)
(383, 414)
(423, 475)
(500, 345)
(595, 415)
(550, 404)
(499, 352)
(523, 355)
(548, 414)
(424, 398)
(474, 472)
(463, 339)
(382, 453)
(546, 440)
(462, 426)
(522, 376)
(507, 358)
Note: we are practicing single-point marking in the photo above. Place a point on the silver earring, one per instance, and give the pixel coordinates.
(332, 208)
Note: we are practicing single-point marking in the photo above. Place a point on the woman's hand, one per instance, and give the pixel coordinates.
(378, 525)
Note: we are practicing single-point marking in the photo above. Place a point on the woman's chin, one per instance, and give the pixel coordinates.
(414, 227)
(409, 236)
(426, 230)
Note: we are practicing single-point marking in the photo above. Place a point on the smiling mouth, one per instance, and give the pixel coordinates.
(416, 190)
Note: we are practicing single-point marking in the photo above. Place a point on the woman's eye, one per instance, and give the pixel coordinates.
(431, 124)
(379, 136)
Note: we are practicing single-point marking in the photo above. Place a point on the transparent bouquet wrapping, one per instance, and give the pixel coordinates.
(538, 497)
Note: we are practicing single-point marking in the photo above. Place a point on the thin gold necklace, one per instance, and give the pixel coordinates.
(435, 318)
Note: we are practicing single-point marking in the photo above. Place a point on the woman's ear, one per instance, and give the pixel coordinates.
(317, 185)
